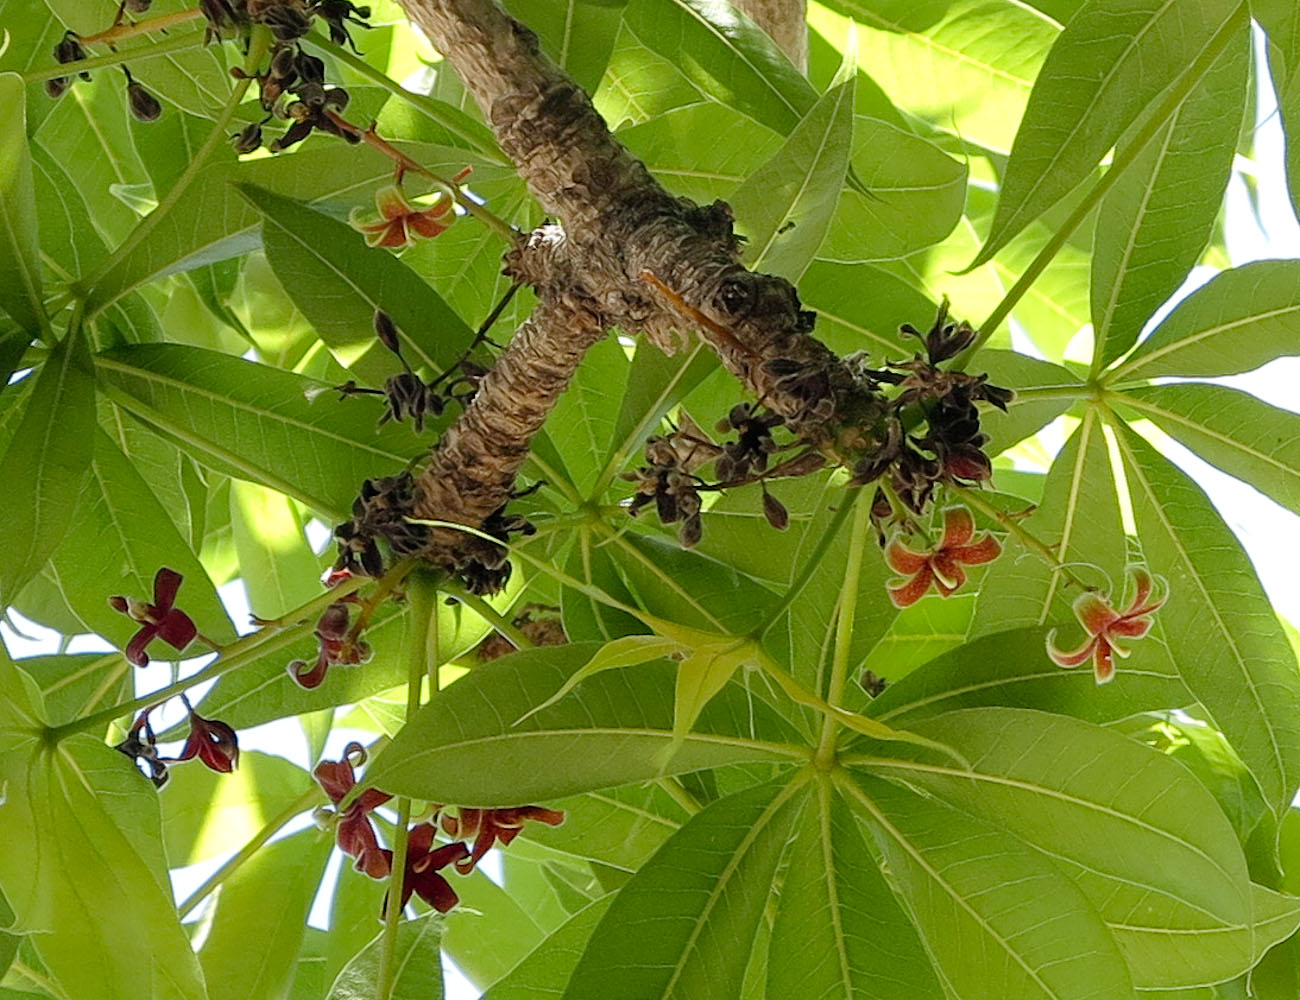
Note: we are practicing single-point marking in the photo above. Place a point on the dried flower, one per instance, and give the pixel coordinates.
(141, 745)
(1106, 626)
(158, 620)
(941, 566)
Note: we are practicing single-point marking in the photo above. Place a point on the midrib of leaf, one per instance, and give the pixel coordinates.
(713, 30)
(636, 811)
(1231, 442)
(145, 375)
(938, 879)
(568, 34)
(719, 887)
(831, 120)
(92, 123)
(1130, 245)
(672, 585)
(1139, 476)
(890, 763)
(1071, 508)
(1069, 141)
(1196, 338)
(47, 431)
(832, 889)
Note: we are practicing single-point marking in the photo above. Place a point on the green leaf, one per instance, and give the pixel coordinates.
(682, 926)
(48, 462)
(490, 932)
(235, 971)
(998, 919)
(577, 34)
(620, 827)
(277, 566)
(131, 536)
(1279, 19)
(850, 321)
(1221, 629)
(1011, 668)
(962, 65)
(462, 746)
(840, 931)
(417, 961)
(1238, 321)
(83, 864)
(1170, 881)
(339, 283)
(206, 814)
(255, 422)
(1232, 430)
(785, 207)
(725, 55)
(20, 268)
(916, 194)
(628, 651)
(640, 84)
(545, 971)
(1112, 60)
(582, 423)
(1043, 392)
(1152, 226)
(1079, 521)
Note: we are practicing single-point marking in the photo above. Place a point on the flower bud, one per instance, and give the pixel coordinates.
(249, 139)
(144, 106)
(56, 87)
(386, 331)
(69, 49)
(775, 512)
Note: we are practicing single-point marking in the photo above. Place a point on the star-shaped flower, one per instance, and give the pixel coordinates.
(487, 826)
(400, 222)
(941, 566)
(1105, 626)
(159, 620)
(356, 835)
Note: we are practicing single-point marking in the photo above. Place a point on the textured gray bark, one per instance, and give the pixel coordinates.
(617, 224)
(786, 21)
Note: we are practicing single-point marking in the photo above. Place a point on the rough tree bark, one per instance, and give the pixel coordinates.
(616, 225)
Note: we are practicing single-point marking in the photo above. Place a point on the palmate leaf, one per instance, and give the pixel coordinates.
(840, 932)
(232, 969)
(1107, 66)
(1154, 854)
(963, 65)
(1222, 632)
(1232, 430)
(1032, 408)
(785, 207)
(1240, 320)
(20, 271)
(47, 461)
(1012, 668)
(463, 746)
(998, 919)
(339, 283)
(1154, 223)
(682, 926)
(255, 422)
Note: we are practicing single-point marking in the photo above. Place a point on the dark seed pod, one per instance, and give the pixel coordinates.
(691, 531)
(144, 106)
(136, 6)
(69, 50)
(386, 331)
(249, 139)
(775, 512)
(57, 87)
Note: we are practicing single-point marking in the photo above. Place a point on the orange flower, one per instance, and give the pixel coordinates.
(943, 565)
(400, 222)
(1104, 625)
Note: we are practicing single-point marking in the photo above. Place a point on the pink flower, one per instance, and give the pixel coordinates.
(400, 222)
(1105, 626)
(356, 835)
(159, 620)
(943, 565)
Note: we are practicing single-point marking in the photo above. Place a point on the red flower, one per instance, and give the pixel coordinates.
(488, 826)
(943, 565)
(158, 620)
(212, 741)
(400, 221)
(356, 836)
(423, 862)
(335, 646)
(1105, 625)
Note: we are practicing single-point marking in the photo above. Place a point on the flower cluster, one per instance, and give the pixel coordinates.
(210, 740)
(1109, 629)
(425, 859)
(337, 646)
(940, 566)
(382, 511)
(159, 620)
(668, 481)
(484, 566)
